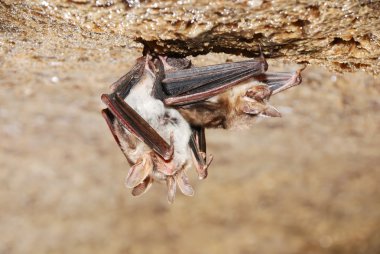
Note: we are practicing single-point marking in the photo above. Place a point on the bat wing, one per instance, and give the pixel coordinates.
(135, 124)
(119, 110)
(126, 82)
(200, 83)
(276, 81)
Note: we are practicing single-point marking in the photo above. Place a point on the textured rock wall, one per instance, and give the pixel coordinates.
(342, 35)
(305, 183)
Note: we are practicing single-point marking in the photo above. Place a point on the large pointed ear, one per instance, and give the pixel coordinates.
(138, 172)
(172, 187)
(183, 183)
(142, 187)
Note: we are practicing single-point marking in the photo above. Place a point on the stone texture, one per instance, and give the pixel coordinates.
(340, 35)
(305, 183)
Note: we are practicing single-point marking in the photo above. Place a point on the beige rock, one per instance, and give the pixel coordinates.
(305, 183)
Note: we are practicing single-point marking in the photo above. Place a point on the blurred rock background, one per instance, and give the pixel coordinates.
(305, 183)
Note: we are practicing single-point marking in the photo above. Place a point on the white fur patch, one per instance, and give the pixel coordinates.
(164, 120)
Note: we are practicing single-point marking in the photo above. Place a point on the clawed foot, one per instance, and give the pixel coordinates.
(202, 166)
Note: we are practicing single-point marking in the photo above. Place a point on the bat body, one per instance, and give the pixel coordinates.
(159, 110)
(168, 123)
(239, 107)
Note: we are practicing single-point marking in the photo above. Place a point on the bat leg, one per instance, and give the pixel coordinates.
(135, 124)
(197, 144)
(200, 135)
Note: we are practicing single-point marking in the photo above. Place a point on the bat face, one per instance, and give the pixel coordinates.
(241, 105)
(159, 110)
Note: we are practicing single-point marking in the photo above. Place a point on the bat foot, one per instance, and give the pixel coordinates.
(203, 169)
(201, 164)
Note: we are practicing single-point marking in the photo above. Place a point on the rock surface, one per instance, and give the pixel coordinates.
(342, 35)
(305, 183)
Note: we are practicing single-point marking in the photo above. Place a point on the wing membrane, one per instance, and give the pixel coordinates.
(196, 79)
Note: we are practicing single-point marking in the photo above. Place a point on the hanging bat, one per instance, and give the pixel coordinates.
(159, 110)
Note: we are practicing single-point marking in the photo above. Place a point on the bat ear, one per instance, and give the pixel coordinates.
(271, 111)
(183, 184)
(142, 187)
(171, 183)
(139, 172)
(259, 92)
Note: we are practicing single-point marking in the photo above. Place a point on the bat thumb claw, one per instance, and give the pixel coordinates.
(169, 154)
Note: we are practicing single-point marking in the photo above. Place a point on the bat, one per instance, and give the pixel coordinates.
(159, 110)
